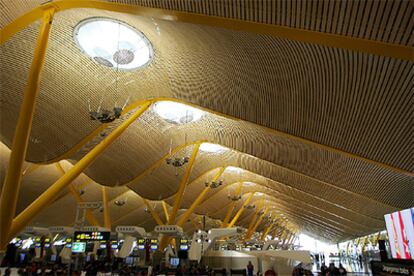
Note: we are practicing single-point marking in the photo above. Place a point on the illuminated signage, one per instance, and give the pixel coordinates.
(78, 247)
(183, 244)
(141, 244)
(92, 236)
(154, 244)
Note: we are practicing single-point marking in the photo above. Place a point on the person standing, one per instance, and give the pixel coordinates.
(250, 269)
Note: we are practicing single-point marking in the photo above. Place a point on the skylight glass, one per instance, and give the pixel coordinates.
(113, 44)
(177, 113)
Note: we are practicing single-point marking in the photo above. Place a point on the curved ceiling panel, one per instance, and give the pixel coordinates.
(323, 132)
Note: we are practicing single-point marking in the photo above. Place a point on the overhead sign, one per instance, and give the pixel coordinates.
(154, 244)
(92, 236)
(78, 247)
(141, 244)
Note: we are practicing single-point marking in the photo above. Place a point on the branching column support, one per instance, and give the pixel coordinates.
(164, 206)
(50, 194)
(89, 215)
(266, 231)
(11, 185)
(179, 196)
(253, 221)
(184, 217)
(106, 215)
(241, 210)
(184, 181)
(231, 208)
(249, 235)
(198, 200)
(154, 214)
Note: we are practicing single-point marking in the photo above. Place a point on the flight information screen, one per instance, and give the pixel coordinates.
(92, 236)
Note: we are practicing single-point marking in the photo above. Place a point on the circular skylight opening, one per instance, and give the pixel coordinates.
(212, 148)
(177, 113)
(113, 44)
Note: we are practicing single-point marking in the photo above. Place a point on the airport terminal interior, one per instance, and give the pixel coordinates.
(207, 137)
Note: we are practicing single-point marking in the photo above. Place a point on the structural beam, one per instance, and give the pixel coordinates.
(253, 221)
(178, 198)
(164, 207)
(184, 181)
(198, 200)
(265, 232)
(43, 200)
(231, 208)
(153, 213)
(302, 35)
(11, 185)
(106, 215)
(248, 235)
(241, 210)
(89, 215)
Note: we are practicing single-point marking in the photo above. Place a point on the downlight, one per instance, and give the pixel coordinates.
(212, 148)
(177, 113)
(113, 44)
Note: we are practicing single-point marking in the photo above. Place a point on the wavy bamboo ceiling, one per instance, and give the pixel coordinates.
(325, 133)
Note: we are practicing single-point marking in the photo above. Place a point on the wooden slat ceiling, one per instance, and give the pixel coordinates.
(326, 133)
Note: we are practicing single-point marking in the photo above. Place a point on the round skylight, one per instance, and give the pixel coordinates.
(177, 113)
(212, 148)
(113, 44)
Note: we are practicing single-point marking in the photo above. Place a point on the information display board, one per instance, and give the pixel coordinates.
(183, 244)
(141, 244)
(78, 247)
(92, 236)
(154, 244)
(400, 228)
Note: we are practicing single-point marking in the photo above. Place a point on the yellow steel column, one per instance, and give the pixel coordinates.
(265, 232)
(257, 223)
(106, 215)
(231, 208)
(253, 221)
(197, 201)
(180, 193)
(238, 214)
(165, 239)
(89, 215)
(153, 213)
(43, 200)
(164, 206)
(11, 185)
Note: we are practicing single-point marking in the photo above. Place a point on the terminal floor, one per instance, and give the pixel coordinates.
(353, 267)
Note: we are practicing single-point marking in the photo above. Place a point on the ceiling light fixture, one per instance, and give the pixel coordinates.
(113, 43)
(177, 113)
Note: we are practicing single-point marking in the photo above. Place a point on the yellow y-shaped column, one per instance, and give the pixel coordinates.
(44, 199)
(238, 214)
(231, 208)
(153, 213)
(179, 196)
(11, 185)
